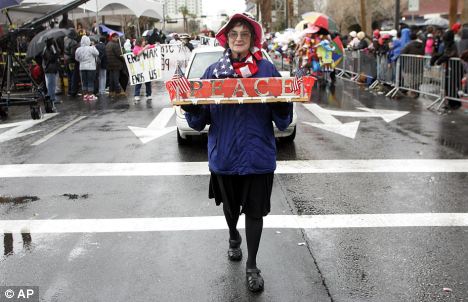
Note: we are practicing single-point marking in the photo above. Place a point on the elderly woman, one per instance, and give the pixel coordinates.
(241, 142)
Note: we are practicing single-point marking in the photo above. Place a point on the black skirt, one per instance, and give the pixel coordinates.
(249, 192)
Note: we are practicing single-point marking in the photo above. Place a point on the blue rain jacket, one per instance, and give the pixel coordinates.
(241, 140)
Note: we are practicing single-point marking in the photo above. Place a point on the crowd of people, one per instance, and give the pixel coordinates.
(311, 49)
(91, 61)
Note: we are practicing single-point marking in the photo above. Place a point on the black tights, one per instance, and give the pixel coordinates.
(253, 233)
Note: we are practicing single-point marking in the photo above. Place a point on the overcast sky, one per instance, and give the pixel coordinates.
(213, 7)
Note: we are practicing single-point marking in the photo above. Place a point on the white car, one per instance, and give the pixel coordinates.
(201, 58)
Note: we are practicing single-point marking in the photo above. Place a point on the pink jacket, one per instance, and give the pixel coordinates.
(137, 49)
(429, 46)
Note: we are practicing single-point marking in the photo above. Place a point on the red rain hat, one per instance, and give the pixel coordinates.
(456, 27)
(221, 36)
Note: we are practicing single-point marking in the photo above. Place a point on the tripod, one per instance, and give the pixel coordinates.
(7, 96)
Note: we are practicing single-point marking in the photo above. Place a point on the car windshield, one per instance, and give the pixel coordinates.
(201, 62)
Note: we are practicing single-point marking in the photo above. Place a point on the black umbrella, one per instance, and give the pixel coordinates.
(9, 3)
(37, 44)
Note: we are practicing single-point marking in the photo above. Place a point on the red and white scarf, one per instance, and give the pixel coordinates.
(244, 69)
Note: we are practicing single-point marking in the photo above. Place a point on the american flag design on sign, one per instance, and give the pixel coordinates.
(178, 84)
(297, 82)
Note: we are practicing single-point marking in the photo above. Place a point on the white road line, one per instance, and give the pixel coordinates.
(201, 168)
(53, 133)
(219, 223)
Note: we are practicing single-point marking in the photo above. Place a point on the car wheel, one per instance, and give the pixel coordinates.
(181, 140)
(289, 138)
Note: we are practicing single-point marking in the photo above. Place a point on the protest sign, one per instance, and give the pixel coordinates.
(239, 90)
(171, 56)
(144, 68)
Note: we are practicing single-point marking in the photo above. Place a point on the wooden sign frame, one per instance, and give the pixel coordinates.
(244, 91)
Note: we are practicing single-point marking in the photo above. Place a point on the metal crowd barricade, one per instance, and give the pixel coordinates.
(385, 71)
(368, 64)
(414, 73)
(350, 66)
(454, 85)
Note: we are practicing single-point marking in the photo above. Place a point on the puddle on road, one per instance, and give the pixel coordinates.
(17, 200)
(76, 196)
(454, 145)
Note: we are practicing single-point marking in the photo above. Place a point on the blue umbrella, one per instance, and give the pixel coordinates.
(9, 3)
(109, 31)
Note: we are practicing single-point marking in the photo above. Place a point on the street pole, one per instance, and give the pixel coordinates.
(164, 15)
(286, 10)
(363, 16)
(397, 14)
(97, 17)
(453, 7)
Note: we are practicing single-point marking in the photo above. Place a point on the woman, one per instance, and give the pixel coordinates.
(86, 54)
(140, 47)
(241, 142)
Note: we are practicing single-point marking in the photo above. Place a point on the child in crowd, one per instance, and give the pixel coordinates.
(140, 46)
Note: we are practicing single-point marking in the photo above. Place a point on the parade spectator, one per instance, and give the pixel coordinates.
(438, 43)
(412, 69)
(140, 47)
(185, 38)
(115, 64)
(71, 65)
(102, 66)
(463, 44)
(128, 46)
(50, 64)
(405, 37)
(452, 82)
(86, 54)
(65, 22)
(175, 39)
(363, 43)
(429, 46)
(241, 141)
(395, 48)
(414, 47)
(80, 30)
(353, 44)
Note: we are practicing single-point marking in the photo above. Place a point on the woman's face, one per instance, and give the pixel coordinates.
(239, 38)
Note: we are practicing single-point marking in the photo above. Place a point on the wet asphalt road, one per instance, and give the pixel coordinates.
(334, 264)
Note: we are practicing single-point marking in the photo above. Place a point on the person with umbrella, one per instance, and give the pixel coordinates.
(50, 64)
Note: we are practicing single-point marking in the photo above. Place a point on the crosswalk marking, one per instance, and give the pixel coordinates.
(219, 223)
(201, 168)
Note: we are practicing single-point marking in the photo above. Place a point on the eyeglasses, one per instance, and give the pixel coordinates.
(244, 35)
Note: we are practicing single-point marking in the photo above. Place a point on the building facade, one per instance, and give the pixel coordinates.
(193, 6)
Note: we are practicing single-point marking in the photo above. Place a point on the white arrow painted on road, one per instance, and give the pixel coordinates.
(330, 123)
(18, 127)
(156, 128)
(386, 115)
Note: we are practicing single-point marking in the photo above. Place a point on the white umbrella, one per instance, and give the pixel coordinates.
(437, 21)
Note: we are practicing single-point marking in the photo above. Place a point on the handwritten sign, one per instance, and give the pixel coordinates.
(145, 67)
(171, 56)
(243, 90)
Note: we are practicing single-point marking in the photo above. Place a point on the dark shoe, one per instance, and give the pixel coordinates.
(234, 251)
(254, 280)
